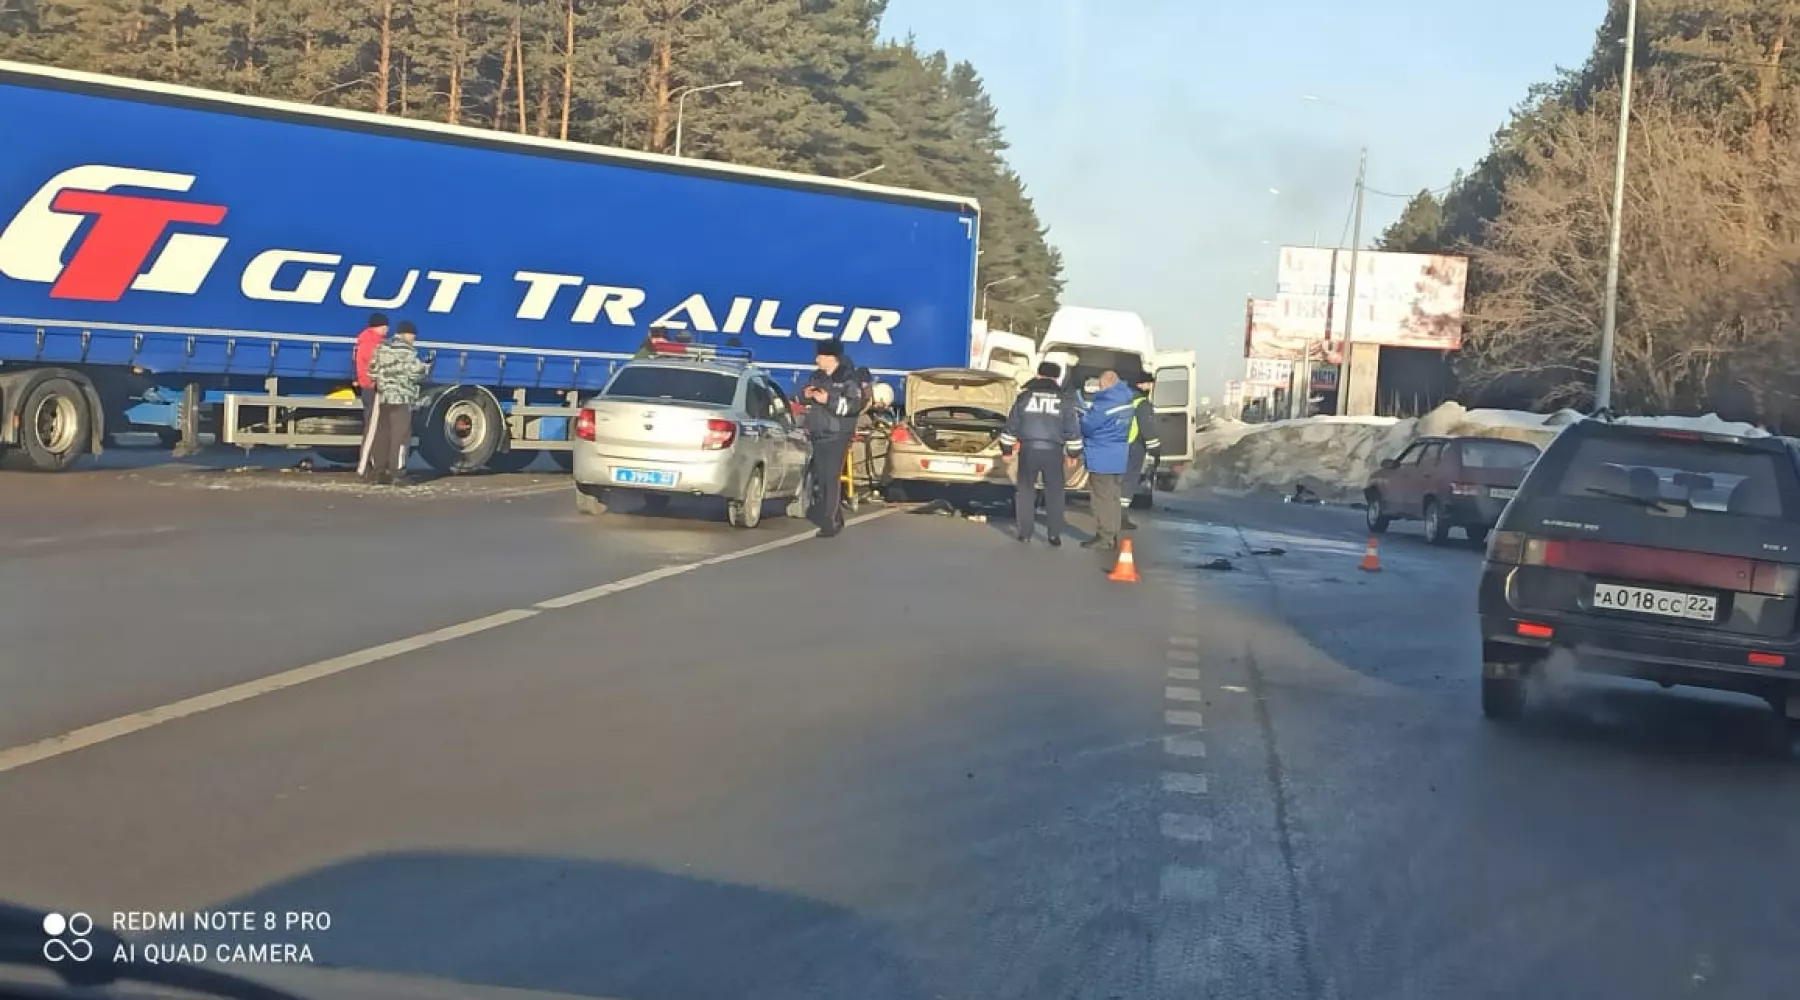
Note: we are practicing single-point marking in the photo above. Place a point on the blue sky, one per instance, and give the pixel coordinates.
(1152, 132)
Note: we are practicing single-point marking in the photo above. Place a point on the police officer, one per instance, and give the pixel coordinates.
(834, 402)
(1144, 443)
(1046, 430)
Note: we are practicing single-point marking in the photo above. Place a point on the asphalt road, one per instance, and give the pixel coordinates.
(653, 758)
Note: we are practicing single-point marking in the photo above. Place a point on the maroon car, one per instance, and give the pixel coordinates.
(1449, 482)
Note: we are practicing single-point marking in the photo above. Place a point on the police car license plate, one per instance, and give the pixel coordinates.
(1661, 603)
(644, 477)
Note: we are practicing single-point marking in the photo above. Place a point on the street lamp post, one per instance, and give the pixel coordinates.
(991, 284)
(681, 97)
(1603, 382)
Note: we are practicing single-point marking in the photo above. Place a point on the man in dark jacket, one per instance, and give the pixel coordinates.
(1145, 445)
(834, 400)
(1046, 430)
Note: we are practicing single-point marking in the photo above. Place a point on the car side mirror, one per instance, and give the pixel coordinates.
(1390, 463)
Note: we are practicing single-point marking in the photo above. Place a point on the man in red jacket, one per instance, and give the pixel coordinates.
(367, 341)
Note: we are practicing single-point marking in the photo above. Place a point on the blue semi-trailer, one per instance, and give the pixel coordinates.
(191, 262)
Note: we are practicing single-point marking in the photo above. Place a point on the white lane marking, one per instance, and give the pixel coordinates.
(1183, 883)
(1183, 746)
(1183, 694)
(1182, 655)
(1176, 717)
(125, 725)
(1184, 641)
(633, 582)
(1184, 673)
(1237, 689)
(1178, 783)
(90, 536)
(1186, 827)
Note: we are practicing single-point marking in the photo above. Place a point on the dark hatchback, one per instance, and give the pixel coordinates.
(1666, 555)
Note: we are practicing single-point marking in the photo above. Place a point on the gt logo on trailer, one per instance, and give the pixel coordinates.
(116, 254)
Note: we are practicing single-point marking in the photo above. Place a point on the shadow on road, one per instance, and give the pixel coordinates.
(583, 928)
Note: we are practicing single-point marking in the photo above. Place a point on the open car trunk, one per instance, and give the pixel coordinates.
(959, 410)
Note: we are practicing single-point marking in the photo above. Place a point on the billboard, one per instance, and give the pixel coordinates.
(1402, 299)
(1270, 335)
(1268, 370)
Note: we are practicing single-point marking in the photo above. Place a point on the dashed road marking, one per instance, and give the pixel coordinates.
(1178, 717)
(1182, 655)
(1178, 783)
(1186, 827)
(1184, 641)
(1184, 673)
(1188, 884)
(1184, 746)
(125, 725)
(1183, 694)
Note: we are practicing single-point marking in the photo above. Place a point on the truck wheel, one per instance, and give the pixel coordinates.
(54, 426)
(747, 513)
(461, 431)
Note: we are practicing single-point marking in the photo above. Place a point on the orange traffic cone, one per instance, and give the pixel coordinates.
(1125, 570)
(1371, 559)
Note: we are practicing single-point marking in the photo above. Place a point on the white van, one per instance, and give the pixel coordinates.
(1101, 339)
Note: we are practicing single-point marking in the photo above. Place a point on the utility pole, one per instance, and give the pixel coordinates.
(1361, 361)
(1603, 382)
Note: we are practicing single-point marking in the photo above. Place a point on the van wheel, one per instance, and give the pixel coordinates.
(1437, 530)
(1503, 698)
(54, 426)
(1377, 516)
(747, 513)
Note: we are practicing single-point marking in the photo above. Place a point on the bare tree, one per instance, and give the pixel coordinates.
(1710, 257)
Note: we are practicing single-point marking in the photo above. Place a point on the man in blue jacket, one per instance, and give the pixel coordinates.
(1106, 442)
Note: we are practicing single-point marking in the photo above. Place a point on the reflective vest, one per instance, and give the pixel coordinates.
(1135, 401)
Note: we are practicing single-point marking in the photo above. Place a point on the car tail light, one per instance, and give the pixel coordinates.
(900, 435)
(1532, 630)
(1465, 489)
(719, 434)
(1506, 547)
(1638, 562)
(1767, 660)
(584, 425)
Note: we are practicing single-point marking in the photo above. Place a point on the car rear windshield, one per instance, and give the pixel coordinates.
(689, 385)
(1498, 455)
(1703, 475)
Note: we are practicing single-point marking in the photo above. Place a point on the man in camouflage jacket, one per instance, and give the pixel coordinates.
(398, 373)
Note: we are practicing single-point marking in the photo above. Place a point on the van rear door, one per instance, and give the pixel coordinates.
(1173, 400)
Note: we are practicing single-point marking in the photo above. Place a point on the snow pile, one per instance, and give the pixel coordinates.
(1335, 456)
